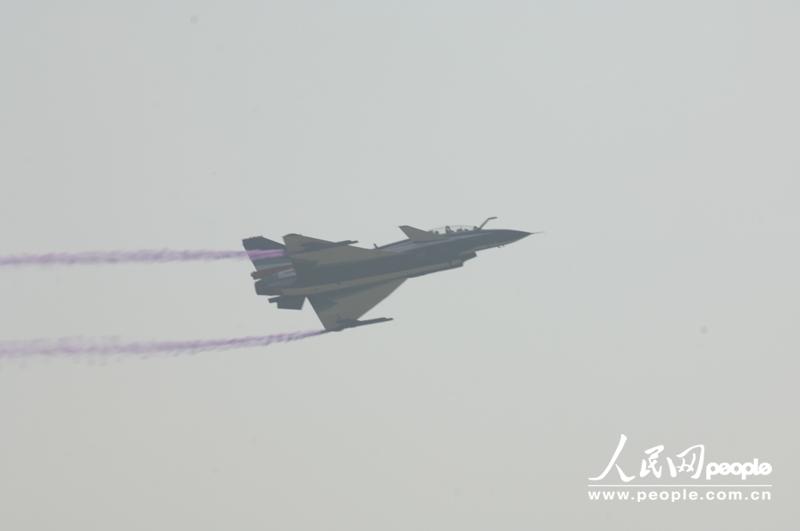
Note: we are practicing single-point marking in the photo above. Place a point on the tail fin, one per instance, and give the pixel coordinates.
(262, 250)
(260, 243)
(274, 270)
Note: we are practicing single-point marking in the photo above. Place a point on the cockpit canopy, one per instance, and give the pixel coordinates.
(452, 229)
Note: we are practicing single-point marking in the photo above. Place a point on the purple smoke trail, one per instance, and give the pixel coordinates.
(111, 346)
(138, 256)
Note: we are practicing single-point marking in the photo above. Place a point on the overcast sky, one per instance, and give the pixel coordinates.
(655, 143)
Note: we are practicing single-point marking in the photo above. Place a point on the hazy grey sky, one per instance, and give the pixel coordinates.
(656, 143)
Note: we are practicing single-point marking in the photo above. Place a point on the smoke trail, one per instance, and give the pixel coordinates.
(76, 346)
(138, 256)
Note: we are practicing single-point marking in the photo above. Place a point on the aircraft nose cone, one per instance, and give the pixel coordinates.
(510, 236)
(515, 235)
(505, 236)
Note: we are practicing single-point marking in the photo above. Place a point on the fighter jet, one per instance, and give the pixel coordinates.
(343, 282)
